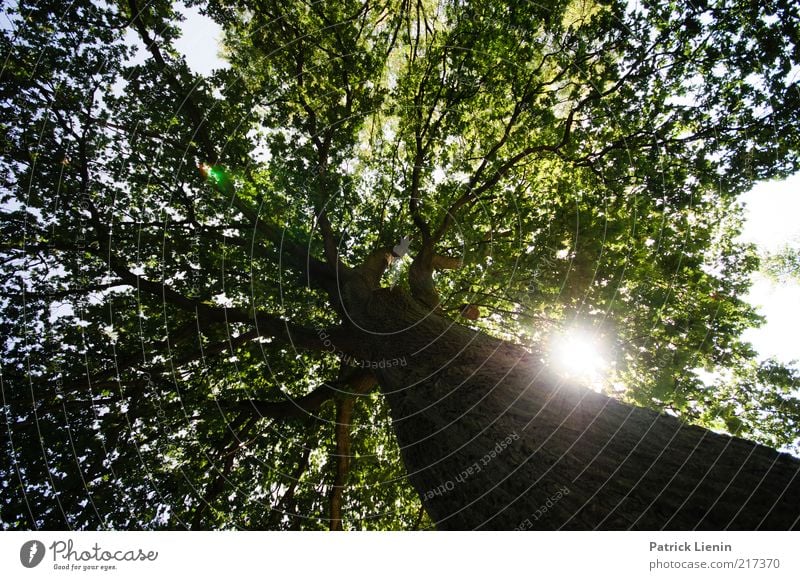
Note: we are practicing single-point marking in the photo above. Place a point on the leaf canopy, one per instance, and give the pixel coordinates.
(169, 238)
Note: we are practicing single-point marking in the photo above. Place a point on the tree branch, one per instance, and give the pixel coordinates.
(344, 416)
(473, 192)
(217, 485)
(359, 383)
(285, 505)
(439, 262)
(301, 407)
(296, 254)
(267, 324)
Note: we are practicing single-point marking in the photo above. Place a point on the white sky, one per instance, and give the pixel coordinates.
(773, 210)
(200, 42)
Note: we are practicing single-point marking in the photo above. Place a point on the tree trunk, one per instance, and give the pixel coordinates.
(492, 441)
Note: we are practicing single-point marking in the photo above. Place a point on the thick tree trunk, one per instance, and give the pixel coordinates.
(491, 441)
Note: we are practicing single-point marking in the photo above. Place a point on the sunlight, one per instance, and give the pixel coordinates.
(578, 354)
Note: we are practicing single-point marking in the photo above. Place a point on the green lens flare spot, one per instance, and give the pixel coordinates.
(215, 173)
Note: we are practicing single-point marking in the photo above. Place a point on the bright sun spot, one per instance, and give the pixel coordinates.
(577, 354)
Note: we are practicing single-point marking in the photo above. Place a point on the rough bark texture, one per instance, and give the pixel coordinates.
(490, 441)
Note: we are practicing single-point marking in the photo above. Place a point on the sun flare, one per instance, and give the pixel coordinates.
(579, 354)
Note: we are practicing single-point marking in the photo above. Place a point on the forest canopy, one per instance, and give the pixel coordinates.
(187, 260)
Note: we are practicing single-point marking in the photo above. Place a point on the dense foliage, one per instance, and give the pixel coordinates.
(164, 362)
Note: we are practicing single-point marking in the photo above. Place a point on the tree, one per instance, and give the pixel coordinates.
(783, 265)
(213, 321)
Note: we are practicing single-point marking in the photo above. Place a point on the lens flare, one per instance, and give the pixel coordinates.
(213, 173)
(579, 354)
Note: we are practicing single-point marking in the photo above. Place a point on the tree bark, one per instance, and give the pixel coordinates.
(492, 441)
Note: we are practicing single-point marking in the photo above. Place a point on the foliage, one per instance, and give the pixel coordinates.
(783, 265)
(164, 232)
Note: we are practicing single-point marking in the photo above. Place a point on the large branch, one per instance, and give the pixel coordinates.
(266, 324)
(414, 196)
(440, 262)
(474, 191)
(125, 362)
(295, 254)
(360, 383)
(344, 416)
(303, 407)
(329, 242)
(291, 408)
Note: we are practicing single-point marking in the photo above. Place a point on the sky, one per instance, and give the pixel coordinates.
(200, 42)
(771, 210)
